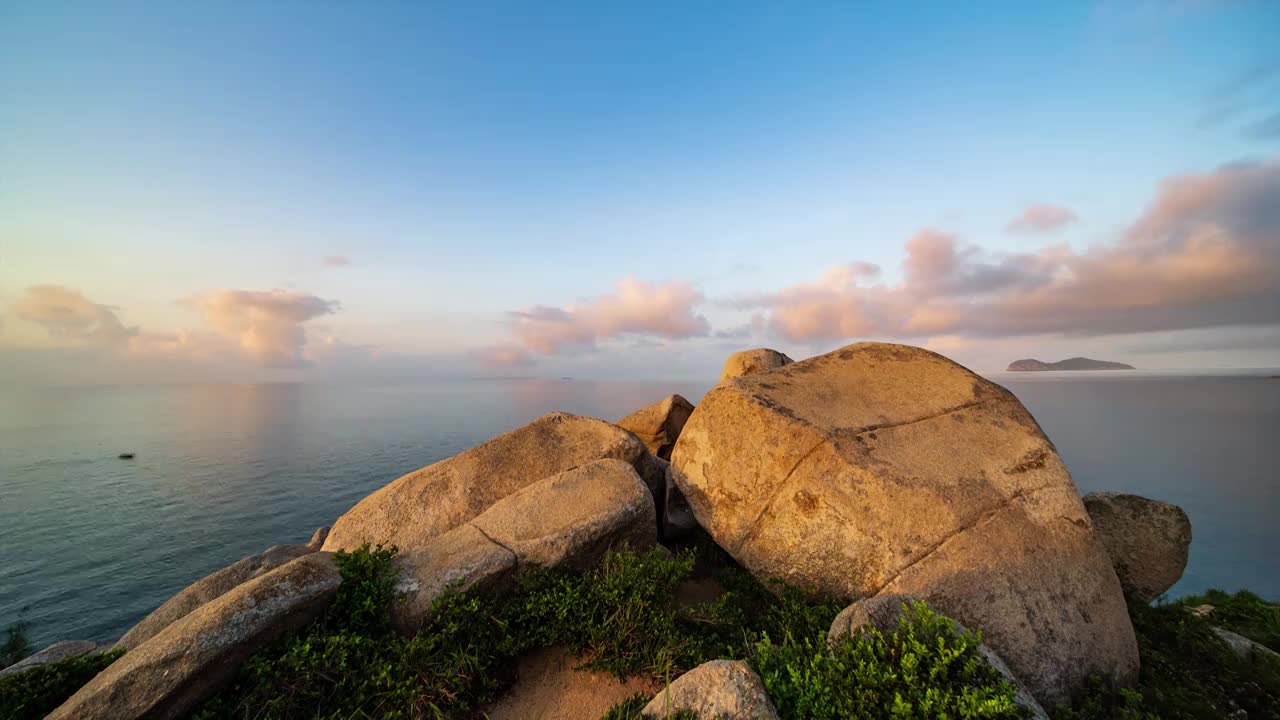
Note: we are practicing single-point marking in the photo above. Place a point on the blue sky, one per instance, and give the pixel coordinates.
(471, 160)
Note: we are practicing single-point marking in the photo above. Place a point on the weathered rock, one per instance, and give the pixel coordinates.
(752, 362)
(412, 510)
(883, 612)
(464, 556)
(889, 469)
(1148, 540)
(166, 676)
(1244, 648)
(56, 652)
(210, 588)
(318, 537)
(721, 689)
(677, 517)
(659, 425)
(571, 518)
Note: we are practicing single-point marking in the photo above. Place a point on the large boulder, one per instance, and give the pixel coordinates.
(752, 362)
(570, 519)
(210, 588)
(55, 653)
(721, 689)
(411, 511)
(658, 426)
(883, 613)
(1148, 540)
(168, 675)
(889, 469)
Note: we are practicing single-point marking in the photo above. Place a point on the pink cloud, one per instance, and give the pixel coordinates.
(1205, 253)
(1042, 218)
(635, 308)
(337, 261)
(503, 356)
(266, 325)
(67, 315)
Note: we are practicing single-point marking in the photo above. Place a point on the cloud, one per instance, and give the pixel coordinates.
(1206, 253)
(1042, 218)
(69, 316)
(266, 325)
(635, 308)
(1223, 339)
(503, 356)
(337, 261)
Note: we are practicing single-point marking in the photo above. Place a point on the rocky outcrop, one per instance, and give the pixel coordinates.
(883, 613)
(569, 519)
(56, 652)
(658, 426)
(752, 362)
(1148, 540)
(887, 469)
(1244, 648)
(721, 689)
(166, 676)
(411, 511)
(208, 589)
(318, 537)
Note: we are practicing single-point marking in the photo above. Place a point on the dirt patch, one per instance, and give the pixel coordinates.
(548, 687)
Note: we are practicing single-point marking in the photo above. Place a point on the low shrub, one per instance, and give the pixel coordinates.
(36, 692)
(630, 708)
(923, 669)
(1187, 673)
(1243, 613)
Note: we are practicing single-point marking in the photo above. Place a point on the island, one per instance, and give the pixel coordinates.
(1075, 363)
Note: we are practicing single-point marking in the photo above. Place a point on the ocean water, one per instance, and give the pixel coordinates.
(89, 544)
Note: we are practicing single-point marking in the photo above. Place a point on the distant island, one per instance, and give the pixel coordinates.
(1075, 363)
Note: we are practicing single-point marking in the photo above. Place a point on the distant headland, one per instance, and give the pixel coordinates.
(1075, 363)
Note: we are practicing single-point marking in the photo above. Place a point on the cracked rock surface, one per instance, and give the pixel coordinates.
(883, 468)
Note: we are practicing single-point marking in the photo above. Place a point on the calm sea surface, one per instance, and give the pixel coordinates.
(89, 544)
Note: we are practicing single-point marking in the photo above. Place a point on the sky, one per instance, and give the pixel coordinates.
(322, 191)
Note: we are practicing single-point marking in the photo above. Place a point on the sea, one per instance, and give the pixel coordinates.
(90, 543)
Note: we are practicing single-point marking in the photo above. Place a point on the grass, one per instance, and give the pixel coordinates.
(1243, 613)
(36, 692)
(1187, 673)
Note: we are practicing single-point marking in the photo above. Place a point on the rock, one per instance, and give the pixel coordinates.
(883, 612)
(677, 517)
(659, 425)
(885, 469)
(210, 588)
(752, 362)
(1202, 610)
(56, 652)
(570, 519)
(1244, 648)
(1147, 540)
(168, 675)
(722, 689)
(463, 556)
(318, 537)
(424, 504)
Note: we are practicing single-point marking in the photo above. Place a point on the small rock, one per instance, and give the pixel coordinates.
(56, 652)
(883, 612)
(168, 675)
(658, 426)
(752, 362)
(318, 537)
(721, 689)
(1147, 540)
(1202, 610)
(1245, 648)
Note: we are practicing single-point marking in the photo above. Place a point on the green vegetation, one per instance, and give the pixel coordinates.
(925, 668)
(36, 692)
(1243, 613)
(630, 708)
(1187, 674)
(621, 617)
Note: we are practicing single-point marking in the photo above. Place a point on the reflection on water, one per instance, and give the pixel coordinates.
(91, 543)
